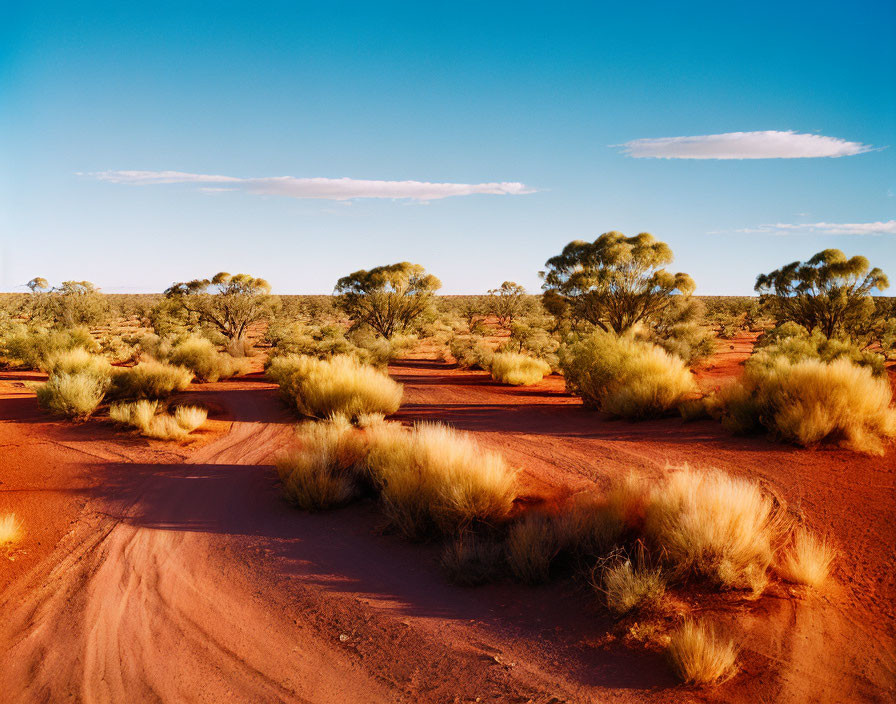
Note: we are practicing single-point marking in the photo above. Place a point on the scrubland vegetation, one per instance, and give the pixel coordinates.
(518, 369)
(144, 415)
(10, 530)
(701, 654)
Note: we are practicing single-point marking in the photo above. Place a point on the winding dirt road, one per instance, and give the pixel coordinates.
(151, 574)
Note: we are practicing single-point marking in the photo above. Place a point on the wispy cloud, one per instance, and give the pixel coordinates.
(320, 188)
(771, 144)
(827, 228)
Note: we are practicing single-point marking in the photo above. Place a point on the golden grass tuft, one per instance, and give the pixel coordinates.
(629, 586)
(328, 468)
(340, 385)
(190, 417)
(807, 560)
(532, 546)
(810, 401)
(10, 529)
(433, 479)
(470, 560)
(201, 356)
(143, 415)
(149, 380)
(518, 369)
(590, 526)
(626, 377)
(714, 525)
(78, 361)
(700, 654)
(71, 395)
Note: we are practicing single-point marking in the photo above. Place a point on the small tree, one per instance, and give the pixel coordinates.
(70, 304)
(614, 282)
(228, 303)
(829, 292)
(507, 302)
(387, 298)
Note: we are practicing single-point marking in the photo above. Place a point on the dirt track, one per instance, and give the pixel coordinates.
(164, 580)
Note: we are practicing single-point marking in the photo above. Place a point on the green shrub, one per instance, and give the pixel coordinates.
(71, 395)
(78, 361)
(795, 344)
(32, 348)
(518, 369)
(340, 385)
(471, 352)
(149, 380)
(200, 356)
(625, 377)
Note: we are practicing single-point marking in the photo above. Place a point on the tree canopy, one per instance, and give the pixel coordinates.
(507, 302)
(227, 302)
(387, 298)
(614, 282)
(829, 292)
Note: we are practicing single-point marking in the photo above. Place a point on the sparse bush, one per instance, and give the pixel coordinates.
(807, 560)
(10, 529)
(161, 426)
(700, 654)
(31, 348)
(470, 560)
(518, 369)
(149, 380)
(810, 402)
(628, 586)
(328, 469)
(78, 361)
(714, 526)
(71, 395)
(591, 525)
(433, 479)
(200, 356)
(320, 388)
(625, 377)
(471, 352)
(795, 344)
(532, 546)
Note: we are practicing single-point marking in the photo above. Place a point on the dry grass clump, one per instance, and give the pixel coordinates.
(810, 401)
(160, 426)
(471, 560)
(628, 586)
(328, 469)
(339, 385)
(71, 395)
(700, 654)
(199, 355)
(434, 479)
(78, 361)
(470, 352)
(715, 526)
(518, 369)
(10, 529)
(32, 347)
(807, 560)
(149, 380)
(532, 545)
(625, 377)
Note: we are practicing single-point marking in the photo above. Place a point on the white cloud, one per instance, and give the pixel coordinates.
(322, 188)
(829, 228)
(771, 144)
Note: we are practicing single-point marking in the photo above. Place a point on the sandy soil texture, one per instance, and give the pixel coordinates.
(158, 572)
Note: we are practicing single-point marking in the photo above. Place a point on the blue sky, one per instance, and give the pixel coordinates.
(517, 105)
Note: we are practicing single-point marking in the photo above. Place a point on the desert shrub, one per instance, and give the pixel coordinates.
(32, 347)
(200, 356)
(700, 654)
(591, 525)
(518, 369)
(380, 350)
(532, 545)
(531, 337)
(809, 402)
(807, 559)
(629, 586)
(161, 426)
(320, 388)
(78, 361)
(794, 343)
(677, 329)
(715, 526)
(72, 395)
(507, 303)
(625, 377)
(433, 479)
(328, 469)
(10, 529)
(470, 560)
(149, 380)
(471, 352)
(119, 348)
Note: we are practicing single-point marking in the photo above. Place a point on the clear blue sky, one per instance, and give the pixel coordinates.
(439, 93)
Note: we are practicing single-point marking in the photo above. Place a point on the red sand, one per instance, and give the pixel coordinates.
(152, 573)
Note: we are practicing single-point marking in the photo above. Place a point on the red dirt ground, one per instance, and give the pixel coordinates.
(152, 571)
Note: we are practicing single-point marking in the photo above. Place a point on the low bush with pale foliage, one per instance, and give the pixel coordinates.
(630, 586)
(201, 356)
(810, 401)
(340, 385)
(10, 529)
(71, 395)
(807, 559)
(701, 654)
(625, 377)
(78, 361)
(144, 416)
(518, 369)
(149, 380)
